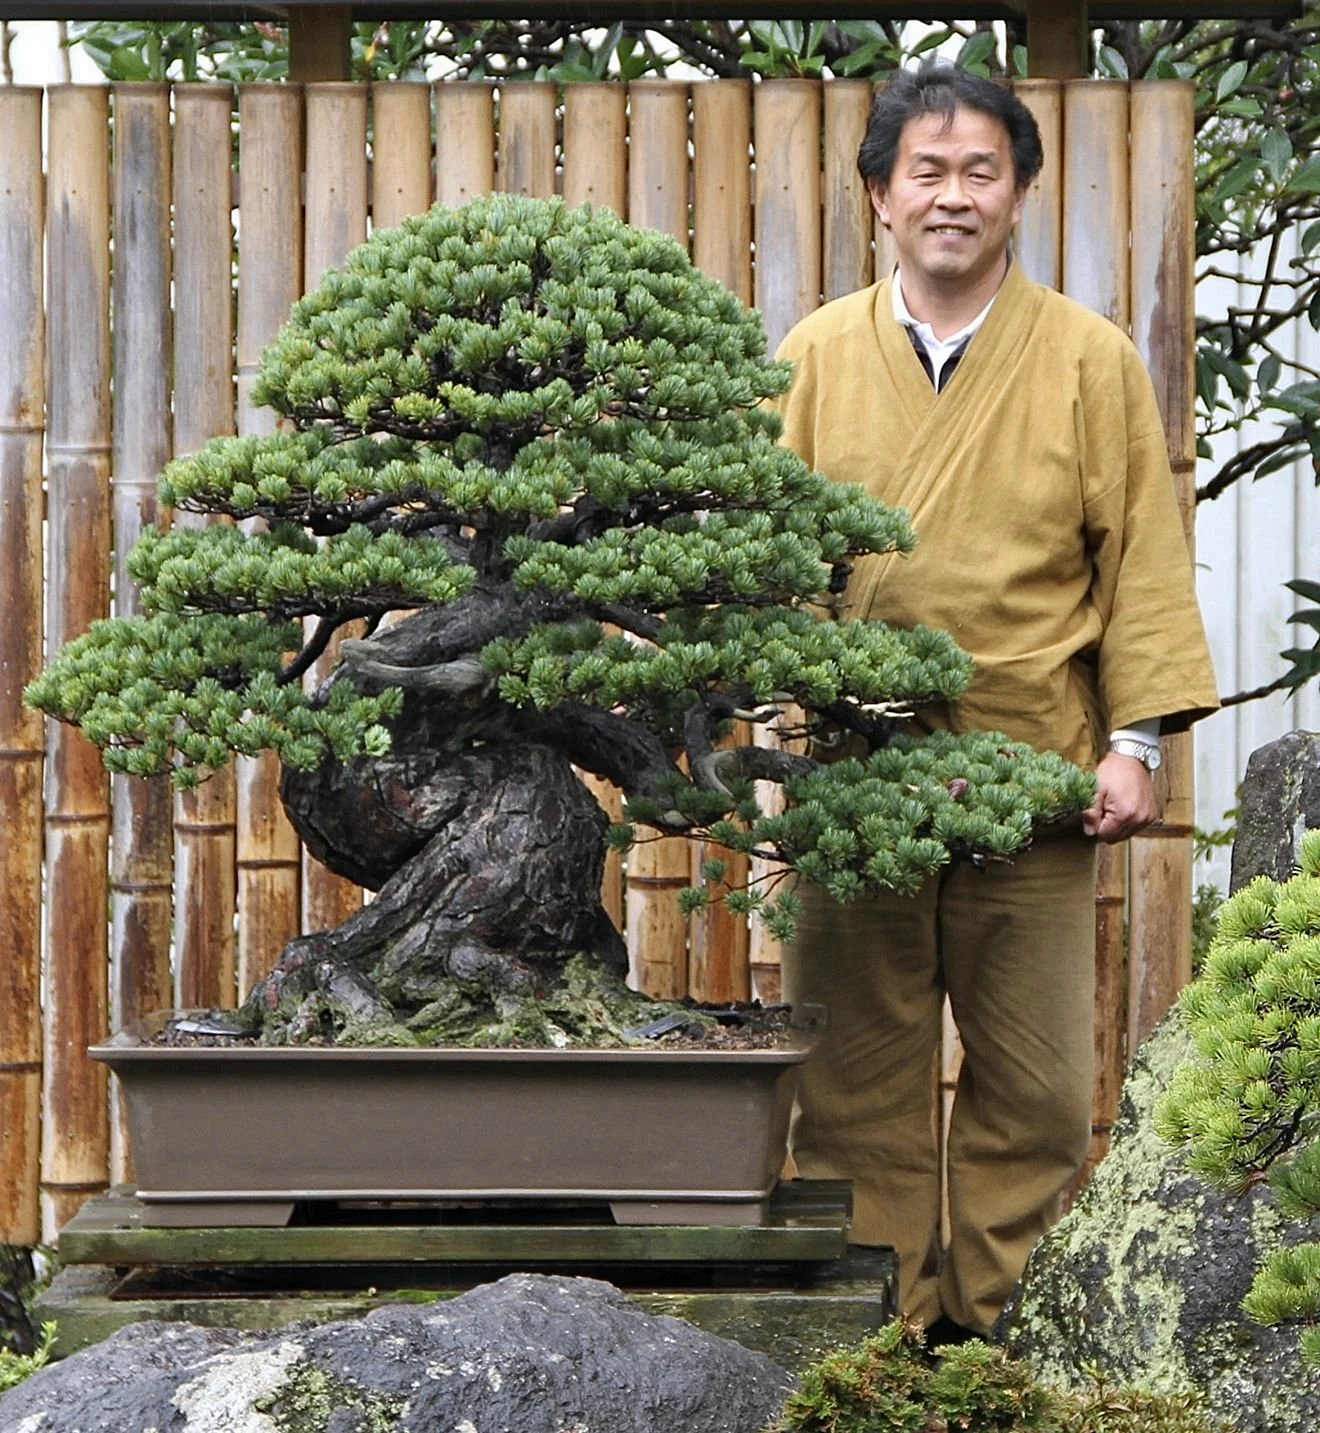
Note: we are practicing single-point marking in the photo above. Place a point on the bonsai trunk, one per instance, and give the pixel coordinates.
(490, 929)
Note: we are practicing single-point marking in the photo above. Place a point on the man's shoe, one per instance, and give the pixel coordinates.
(944, 1334)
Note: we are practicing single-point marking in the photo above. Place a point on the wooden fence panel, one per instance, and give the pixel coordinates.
(205, 819)
(335, 224)
(1164, 329)
(269, 281)
(75, 1116)
(142, 853)
(22, 400)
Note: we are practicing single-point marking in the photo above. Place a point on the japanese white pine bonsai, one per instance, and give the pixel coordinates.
(544, 434)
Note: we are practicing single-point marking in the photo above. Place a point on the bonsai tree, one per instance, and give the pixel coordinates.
(546, 436)
(1245, 1109)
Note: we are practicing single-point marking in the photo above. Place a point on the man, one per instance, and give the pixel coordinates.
(1021, 432)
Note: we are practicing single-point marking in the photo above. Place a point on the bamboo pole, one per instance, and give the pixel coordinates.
(886, 251)
(1110, 1007)
(722, 183)
(658, 157)
(596, 172)
(1038, 243)
(75, 1113)
(400, 152)
(719, 944)
(1164, 329)
(596, 146)
(658, 867)
(849, 225)
(1095, 196)
(205, 819)
(22, 398)
(527, 139)
(786, 138)
(464, 141)
(656, 933)
(610, 799)
(1095, 272)
(269, 281)
(142, 855)
(335, 224)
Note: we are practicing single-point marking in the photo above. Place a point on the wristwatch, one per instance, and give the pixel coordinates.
(1147, 753)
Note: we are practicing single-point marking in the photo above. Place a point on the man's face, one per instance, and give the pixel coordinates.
(952, 198)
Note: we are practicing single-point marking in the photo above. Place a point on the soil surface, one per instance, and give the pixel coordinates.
(681, 1024)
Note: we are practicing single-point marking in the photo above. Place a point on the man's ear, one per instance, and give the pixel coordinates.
(877, 192)
(1019, 202)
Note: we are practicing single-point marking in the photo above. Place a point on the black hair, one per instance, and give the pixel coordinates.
(941, 88)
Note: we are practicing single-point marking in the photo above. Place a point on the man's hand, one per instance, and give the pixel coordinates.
(1125, 799)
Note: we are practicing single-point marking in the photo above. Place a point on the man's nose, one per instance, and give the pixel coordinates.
(952, 194)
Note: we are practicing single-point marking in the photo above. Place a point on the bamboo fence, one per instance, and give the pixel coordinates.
(148, 900)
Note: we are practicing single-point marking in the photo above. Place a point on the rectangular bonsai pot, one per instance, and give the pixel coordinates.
(237, 1135)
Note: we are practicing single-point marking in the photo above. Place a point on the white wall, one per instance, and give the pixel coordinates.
(1250, 541)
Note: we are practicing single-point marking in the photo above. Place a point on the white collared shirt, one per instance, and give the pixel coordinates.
(939, 351)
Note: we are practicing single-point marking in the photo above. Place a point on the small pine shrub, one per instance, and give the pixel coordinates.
(15, 1367)
(1244, 1108)
(887, 1384)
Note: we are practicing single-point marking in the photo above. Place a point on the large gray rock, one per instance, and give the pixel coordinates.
(1280, 800)
(1144, 1276)
(528, 1354)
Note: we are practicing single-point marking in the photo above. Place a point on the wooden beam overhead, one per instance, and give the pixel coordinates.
(607, 11)
(1058, 39)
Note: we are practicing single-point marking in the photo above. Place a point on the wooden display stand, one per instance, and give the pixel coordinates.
(790, 1287)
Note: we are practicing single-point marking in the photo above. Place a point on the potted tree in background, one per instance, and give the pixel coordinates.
(544, 435)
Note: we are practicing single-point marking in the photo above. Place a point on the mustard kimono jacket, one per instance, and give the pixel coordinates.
(1049, 541)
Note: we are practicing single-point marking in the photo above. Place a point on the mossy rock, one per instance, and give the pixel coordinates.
(1143, 1279)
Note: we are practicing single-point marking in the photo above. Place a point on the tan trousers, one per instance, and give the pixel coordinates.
(1014, 947)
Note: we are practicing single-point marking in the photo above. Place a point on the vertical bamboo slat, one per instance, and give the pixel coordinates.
(596, 172)
(596, 146)
(205, 819)
(786, 138)
(1164, 329)
(658, 157)
(1095, 196)
(719, 953)
(400, 152)
(1039, 240)
(1095, 272)
(1110, 1007)
(270, 280)
(722, 188)
(849, 218)
(75, 1117)
(657, 868)
(22, 399)
(142, 854)
(527, 139)
(464, 142)
(335, 223)
(610, 799)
